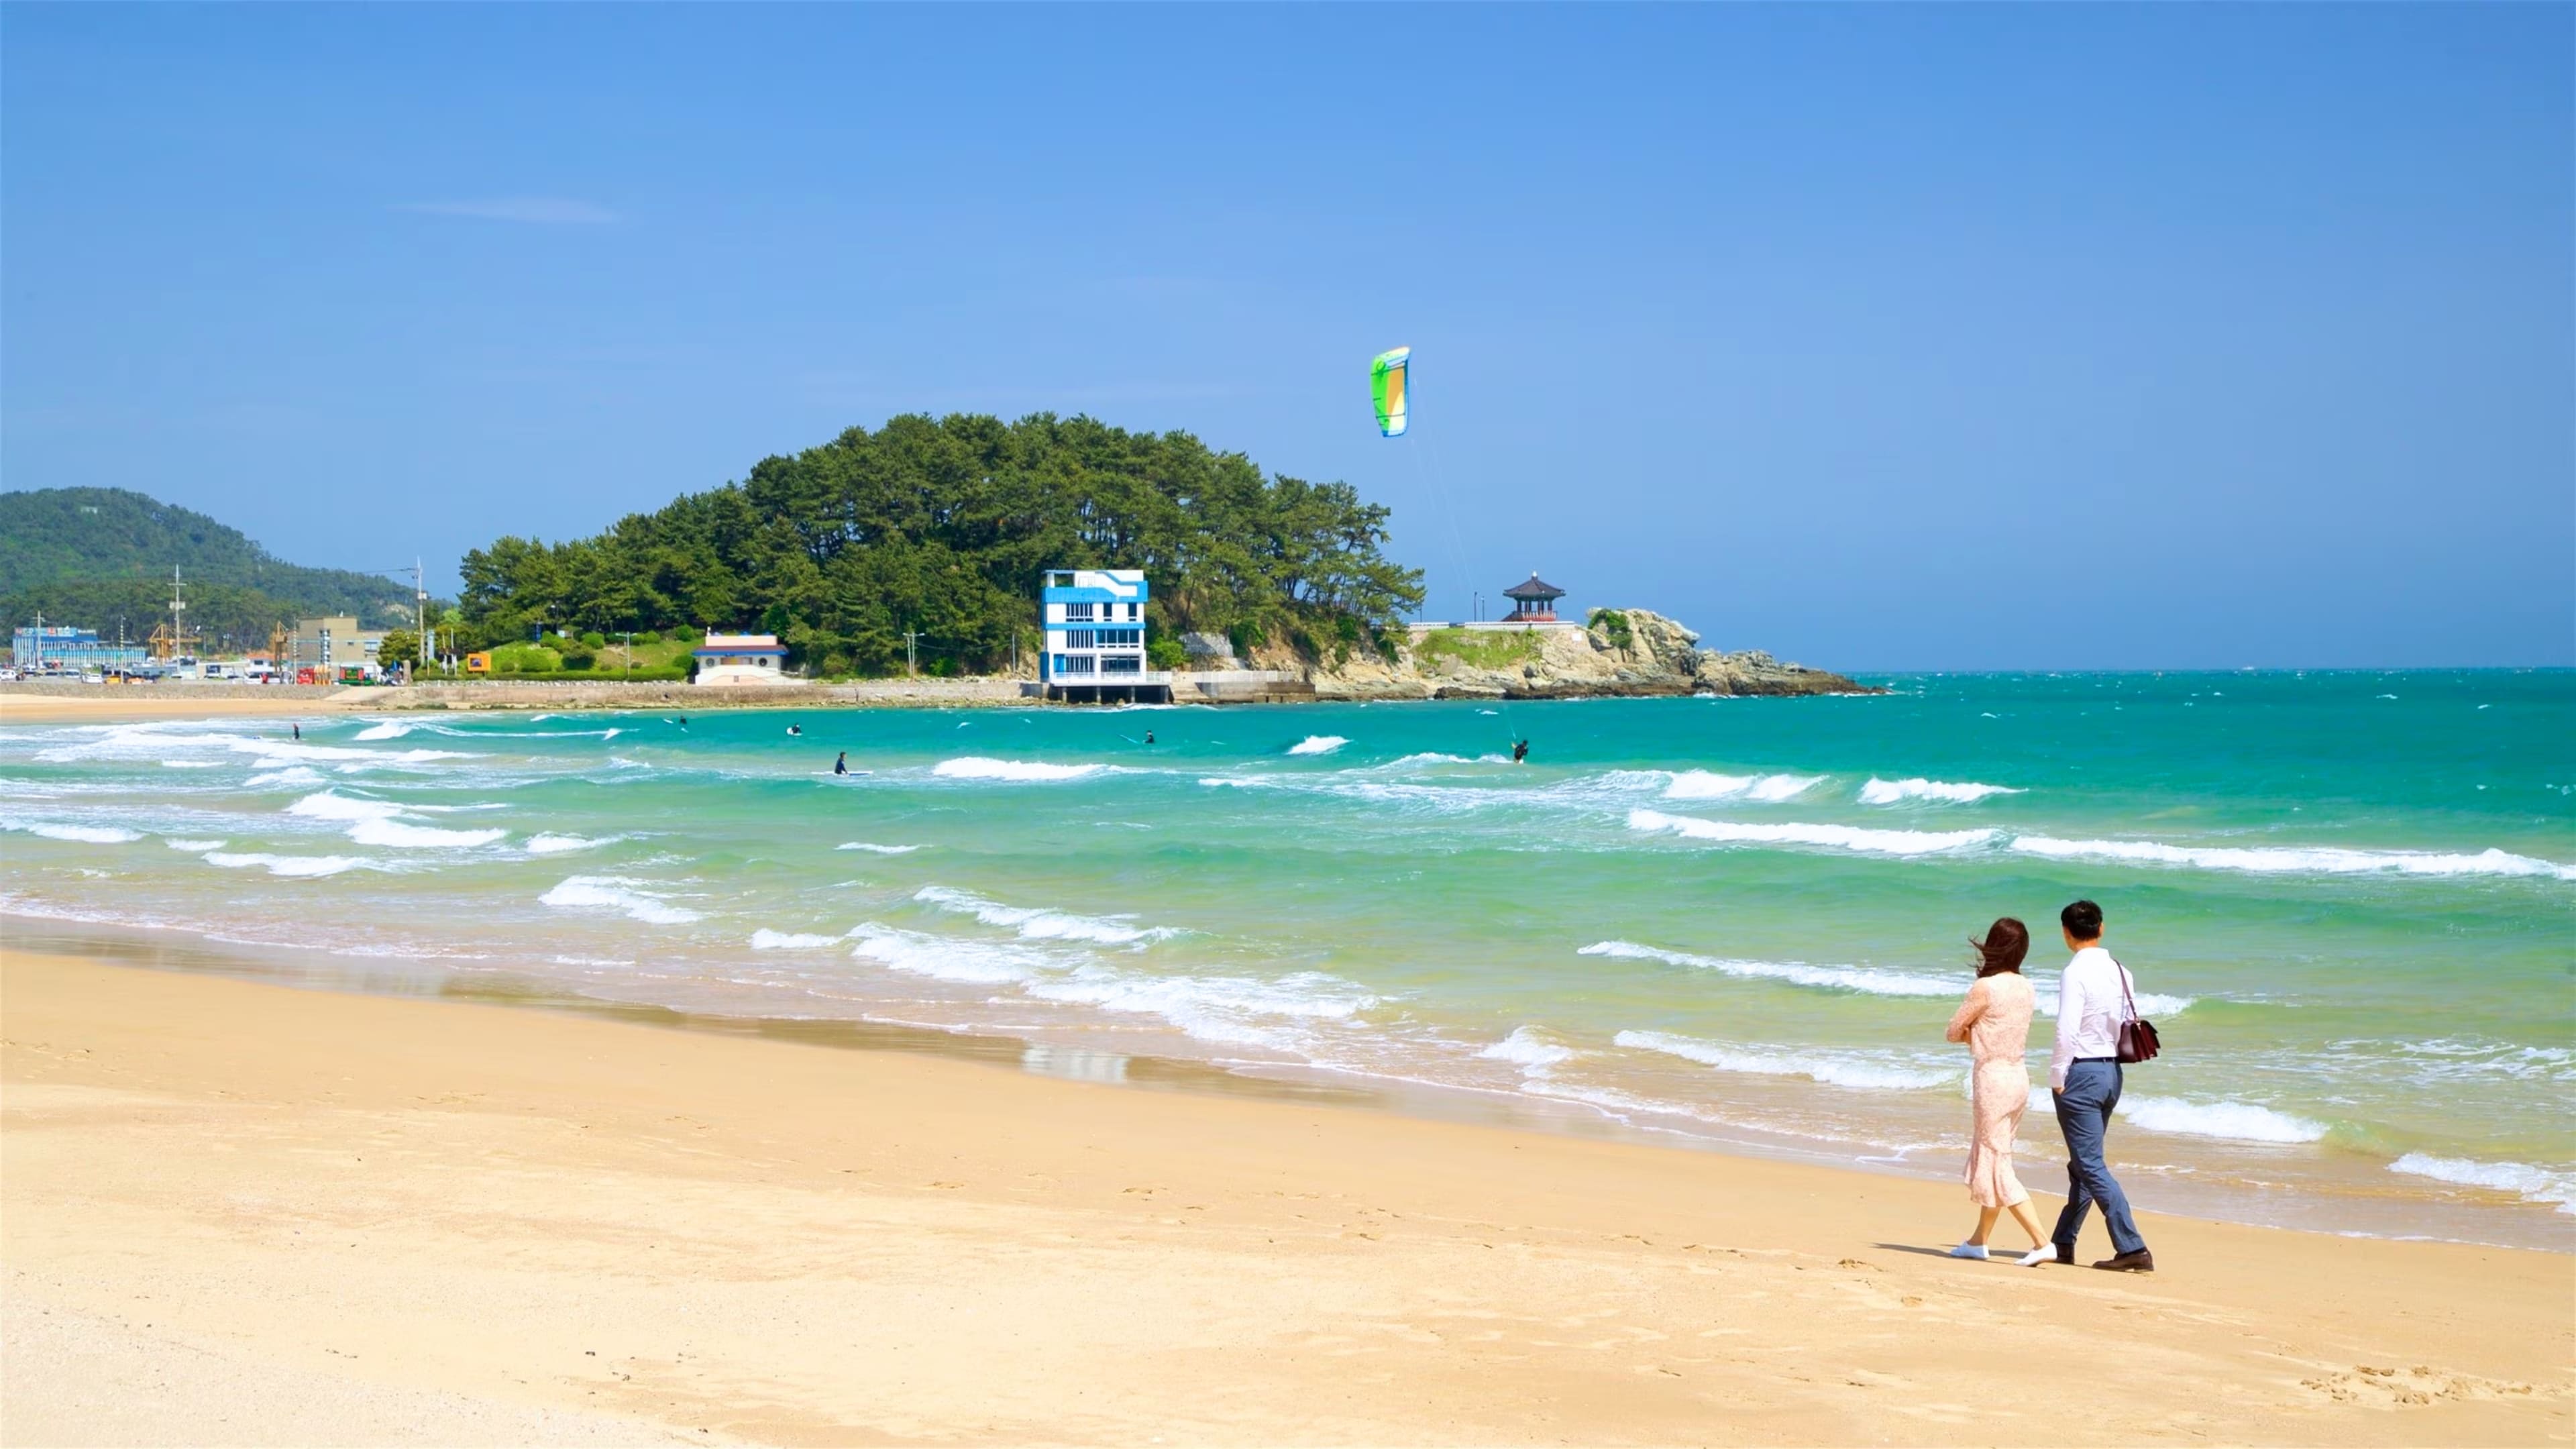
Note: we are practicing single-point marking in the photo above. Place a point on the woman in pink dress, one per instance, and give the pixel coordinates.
(1995, 1023)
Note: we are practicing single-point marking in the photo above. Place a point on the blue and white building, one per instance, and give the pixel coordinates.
(1095, 635)
(57, 647)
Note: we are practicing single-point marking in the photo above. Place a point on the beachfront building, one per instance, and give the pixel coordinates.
(741, 659)
(64, 648)
(1094, 622)
(334, 645)
(1533, 602)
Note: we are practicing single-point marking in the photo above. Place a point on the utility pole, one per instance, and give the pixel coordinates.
(419, 615)
(630, 651)
(909, 635)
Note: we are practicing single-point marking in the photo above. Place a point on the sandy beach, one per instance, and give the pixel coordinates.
(109, 705)
(245, 1213)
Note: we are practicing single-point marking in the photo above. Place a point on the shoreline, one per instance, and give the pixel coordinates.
(509, 987)
(529, 1213)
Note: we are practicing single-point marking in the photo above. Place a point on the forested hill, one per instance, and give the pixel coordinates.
(87, 556)
(941, 527)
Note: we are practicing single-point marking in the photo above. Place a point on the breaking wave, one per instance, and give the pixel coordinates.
(2321, 859)
(1830, 1068)
(1707, 785)
(77, 834)
(1318, 745)
(1840, 837)
(1529, 1051)
(399, 836)
(617, 893)
(1040, 923)
(874, 849)
(550, 844)
(980, 767)
(1892, 792)
(765, 939)
(384, 730)
(2235, 1121)
(295, 866)
(1868, 980)
(2533, 1184)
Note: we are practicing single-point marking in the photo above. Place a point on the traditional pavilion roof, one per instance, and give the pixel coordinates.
(1536, 588)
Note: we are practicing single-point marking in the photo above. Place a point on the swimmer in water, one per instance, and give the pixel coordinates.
(1520, 752)
(841, 766)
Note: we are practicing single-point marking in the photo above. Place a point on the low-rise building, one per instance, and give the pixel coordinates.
(1094, 623)
(70, 649)
(741, 659)
(334, 644)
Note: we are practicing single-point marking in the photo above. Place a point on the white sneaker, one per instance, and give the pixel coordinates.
(1970, 1250)
(2044, 1253)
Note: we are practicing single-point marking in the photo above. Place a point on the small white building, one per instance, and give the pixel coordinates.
(741, 659)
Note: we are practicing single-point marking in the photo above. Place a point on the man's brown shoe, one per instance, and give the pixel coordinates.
(2140, 1261)
(2066, 1254)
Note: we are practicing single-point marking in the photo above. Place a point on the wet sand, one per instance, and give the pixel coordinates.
(234, 1212)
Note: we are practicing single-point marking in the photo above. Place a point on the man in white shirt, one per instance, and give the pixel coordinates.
(2093, 999)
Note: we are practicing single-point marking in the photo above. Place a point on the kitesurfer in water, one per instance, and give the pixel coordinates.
(796, 729)
(1149, 737)
(841, 766)
(1520, 752)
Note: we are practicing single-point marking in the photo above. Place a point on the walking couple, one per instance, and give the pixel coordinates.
(2095, 997)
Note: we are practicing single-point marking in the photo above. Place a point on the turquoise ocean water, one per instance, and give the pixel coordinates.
(2350, 899)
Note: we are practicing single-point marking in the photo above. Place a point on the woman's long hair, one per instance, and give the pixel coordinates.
(2007, 941)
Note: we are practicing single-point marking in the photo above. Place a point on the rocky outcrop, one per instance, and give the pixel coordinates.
(1621, 652)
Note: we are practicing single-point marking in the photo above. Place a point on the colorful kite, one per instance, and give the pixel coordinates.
(1386, 388)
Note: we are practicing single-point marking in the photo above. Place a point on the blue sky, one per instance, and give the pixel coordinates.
(1884, 338)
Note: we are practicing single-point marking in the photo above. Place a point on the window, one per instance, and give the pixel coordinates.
(1074, 664)
(1120, 638)
(1121, 664)
(1082, 638)
(1077, 613)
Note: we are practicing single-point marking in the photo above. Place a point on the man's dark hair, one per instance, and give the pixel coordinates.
(2082, 920)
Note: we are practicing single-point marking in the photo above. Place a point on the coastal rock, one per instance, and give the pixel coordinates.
(1617, 652)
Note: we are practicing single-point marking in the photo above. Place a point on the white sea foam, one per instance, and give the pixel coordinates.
(1833, 1069)
(296, 775)
(1435, 757)
(1040, 923)
(1318, 745)
(875, 849)
(2536, 1184)
(77, 834)
(198, 847)
(211, 764)
(949, 958)
(1708, 785)
(1237, 782)
(1213, 1008)
(2235, 1121)
(765, 939)
(617, 893)
(2323, 860)
(1868, 980)
(979, 767)
(384, 730)
(1839, 837)
(551, 844)
(296, 866)
(1529, 1051)
(400, 836)
(328, 806)
(1894, 792)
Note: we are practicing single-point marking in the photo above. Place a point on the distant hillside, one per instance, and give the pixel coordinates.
(88, 556)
